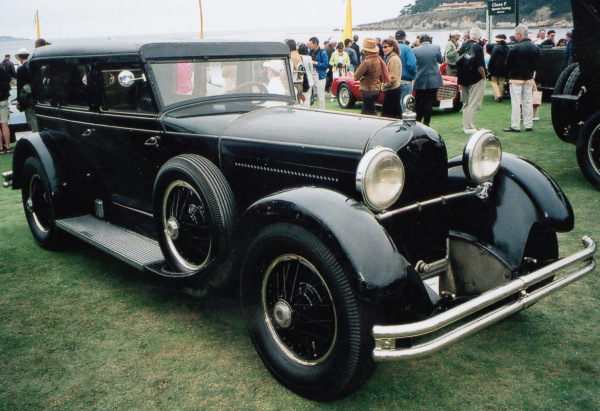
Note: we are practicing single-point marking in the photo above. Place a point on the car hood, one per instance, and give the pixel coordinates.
(286, 124)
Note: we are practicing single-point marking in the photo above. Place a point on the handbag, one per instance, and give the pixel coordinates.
(537, 98)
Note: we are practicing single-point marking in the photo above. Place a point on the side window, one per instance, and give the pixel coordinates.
(40, 82)
(69, 82)
(136, 97)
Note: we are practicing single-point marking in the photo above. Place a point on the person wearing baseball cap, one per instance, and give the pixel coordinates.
(409, 66)
(451, 53)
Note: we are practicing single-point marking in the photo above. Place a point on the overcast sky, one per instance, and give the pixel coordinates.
(94, 18)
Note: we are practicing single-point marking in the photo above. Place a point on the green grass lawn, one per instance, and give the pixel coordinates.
(80, 330)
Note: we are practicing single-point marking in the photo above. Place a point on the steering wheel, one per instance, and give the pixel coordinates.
(261, 87)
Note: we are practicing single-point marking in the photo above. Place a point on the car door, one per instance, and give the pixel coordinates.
(127, 136)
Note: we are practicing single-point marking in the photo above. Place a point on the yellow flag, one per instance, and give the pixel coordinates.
(201, 22)
(347, 33)
(37, 25)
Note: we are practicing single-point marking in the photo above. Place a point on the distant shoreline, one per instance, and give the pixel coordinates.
(9, 38)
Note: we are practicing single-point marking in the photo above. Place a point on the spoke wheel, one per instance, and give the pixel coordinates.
(194, 213)
(307, 324)
(299, 310)
(345, 97)
(186, 225)
(38, 205)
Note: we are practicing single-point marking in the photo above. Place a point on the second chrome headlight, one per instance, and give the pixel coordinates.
(482, 156)
(380, 178)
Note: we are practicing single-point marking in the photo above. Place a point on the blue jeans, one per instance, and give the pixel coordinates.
(406, 89)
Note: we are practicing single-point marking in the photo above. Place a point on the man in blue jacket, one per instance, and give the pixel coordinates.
(320, 62)
(409, 66)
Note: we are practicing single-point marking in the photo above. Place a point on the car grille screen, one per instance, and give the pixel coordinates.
(446, 92)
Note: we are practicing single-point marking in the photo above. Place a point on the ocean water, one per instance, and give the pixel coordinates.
(440, 37)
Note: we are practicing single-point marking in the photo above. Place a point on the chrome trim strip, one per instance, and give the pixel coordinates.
(385, 335)
(97, 124)
(303, 145)
(134, 209)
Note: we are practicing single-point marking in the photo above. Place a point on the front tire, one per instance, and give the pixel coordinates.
(305, 320)
(38, 205)
(345, 97)
(194, 213)
(588, 150)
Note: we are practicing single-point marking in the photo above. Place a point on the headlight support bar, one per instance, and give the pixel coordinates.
(481, 192)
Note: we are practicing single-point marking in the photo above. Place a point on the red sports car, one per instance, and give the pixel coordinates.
(347, 91)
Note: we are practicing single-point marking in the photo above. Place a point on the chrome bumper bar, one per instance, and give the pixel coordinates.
(385, 336)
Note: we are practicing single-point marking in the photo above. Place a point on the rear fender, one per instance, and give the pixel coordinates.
(68, 186)
(523, 195)
(377, 269)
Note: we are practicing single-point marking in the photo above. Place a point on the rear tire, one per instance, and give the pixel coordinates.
(307, 324)
(588, 150)
(38, 205)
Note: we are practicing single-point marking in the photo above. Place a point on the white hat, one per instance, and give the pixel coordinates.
(275, 65)
(23, 53)
(455, 33)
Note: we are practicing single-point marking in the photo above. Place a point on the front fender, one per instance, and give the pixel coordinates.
(377, 269)
(523, 195)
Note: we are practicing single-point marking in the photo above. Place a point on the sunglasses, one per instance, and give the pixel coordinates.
(386, 46)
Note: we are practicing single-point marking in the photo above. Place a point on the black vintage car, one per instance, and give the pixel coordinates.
(575, 102)
(355, 239)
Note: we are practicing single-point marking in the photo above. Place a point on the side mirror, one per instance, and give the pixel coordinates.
(127, 79)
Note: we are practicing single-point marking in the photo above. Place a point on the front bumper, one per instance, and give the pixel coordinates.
(386, 336)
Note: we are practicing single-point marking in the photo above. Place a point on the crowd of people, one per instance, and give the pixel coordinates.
(11, 77)
(396, 67)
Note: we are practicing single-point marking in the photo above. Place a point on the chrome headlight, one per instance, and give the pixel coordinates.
(481, 157)
(380, 178)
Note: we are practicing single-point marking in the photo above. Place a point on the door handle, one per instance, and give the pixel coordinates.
(87, 132)
(152, 141)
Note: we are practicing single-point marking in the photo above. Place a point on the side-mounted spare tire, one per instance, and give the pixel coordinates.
(194, 213)
(563, 113)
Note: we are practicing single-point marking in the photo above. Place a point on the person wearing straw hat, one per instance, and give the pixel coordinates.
(369, 75)
(451, 53)
(24, 99)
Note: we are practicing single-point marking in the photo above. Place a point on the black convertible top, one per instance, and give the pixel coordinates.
(162, 49)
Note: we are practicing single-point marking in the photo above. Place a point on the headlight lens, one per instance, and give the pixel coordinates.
(380, 178)
(481, 157)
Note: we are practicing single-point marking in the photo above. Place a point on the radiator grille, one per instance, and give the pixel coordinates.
(446, 92)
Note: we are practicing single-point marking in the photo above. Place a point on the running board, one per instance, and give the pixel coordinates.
(129, 247)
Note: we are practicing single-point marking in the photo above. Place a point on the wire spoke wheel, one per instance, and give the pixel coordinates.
(593, 150)
(299, 309)
(186, 225)
(38, 203)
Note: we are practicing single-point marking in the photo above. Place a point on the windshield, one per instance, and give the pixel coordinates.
(182, 81)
